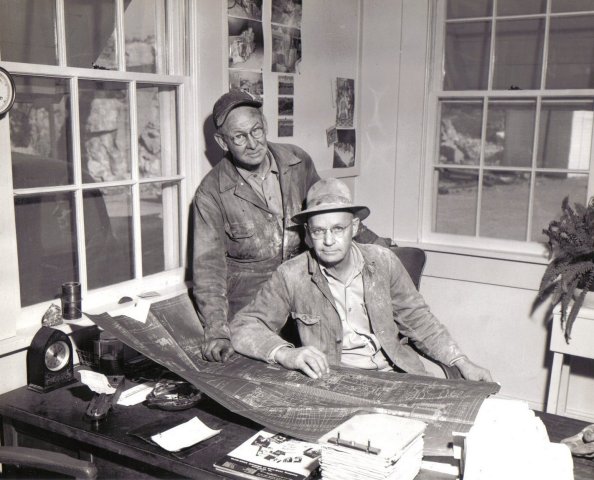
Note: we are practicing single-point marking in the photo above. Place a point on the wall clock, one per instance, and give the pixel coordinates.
(49, 360)
(7, 91)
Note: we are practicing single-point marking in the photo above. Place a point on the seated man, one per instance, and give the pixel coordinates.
(353, 303)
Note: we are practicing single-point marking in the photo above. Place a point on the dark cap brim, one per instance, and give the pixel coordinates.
(221, 116)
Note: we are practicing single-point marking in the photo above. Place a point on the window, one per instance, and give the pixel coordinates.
(512, 92)
(95, 140)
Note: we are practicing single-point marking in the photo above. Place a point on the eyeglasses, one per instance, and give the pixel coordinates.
(241, 139)
(337, 231)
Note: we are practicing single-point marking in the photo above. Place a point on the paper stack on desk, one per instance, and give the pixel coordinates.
(373, 446)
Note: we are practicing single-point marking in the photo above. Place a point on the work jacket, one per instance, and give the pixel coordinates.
(299, 290)
(238, 240)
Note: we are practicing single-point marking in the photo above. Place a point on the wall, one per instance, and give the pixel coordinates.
(485, 302)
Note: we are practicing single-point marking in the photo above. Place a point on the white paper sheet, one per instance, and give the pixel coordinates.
(136, 394)
(184, 435)
(97, 382)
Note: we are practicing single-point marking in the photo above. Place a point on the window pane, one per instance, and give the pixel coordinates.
(159, 210)
(549, 191)
(523, 7)
(27, 31)
(467, 56)
(571, 53)
(460, 135)
(518, 54)
(90, 26)
(510, 133)
(504, 205)
(565, 135)
(455, 210)
(469, 8)
(157, 131)
(108, 236)
(105, 130)
(571, 6)
(39, 133)
(46, 241)
(142, 35)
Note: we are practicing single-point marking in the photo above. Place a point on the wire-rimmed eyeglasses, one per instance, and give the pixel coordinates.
(241, 139)
(337, 231)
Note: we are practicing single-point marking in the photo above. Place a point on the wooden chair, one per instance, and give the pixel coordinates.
(414, 259)
(34, 458)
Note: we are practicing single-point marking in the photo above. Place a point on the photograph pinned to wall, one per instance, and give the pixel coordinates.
(286, 85)
(285, 127)
(345, 102)
(246, 44)
(245, 81)
(245, 8)
(331, 135)
(285, 106)
(287, 12)
(286, 49)
(345, 148)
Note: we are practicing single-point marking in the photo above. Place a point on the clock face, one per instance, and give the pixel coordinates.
(57, 355)
(7, 91)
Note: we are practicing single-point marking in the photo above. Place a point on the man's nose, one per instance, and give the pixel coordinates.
(328, 237)
(251, 142)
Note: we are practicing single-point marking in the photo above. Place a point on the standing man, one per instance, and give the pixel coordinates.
(242, 216)
(353, 303)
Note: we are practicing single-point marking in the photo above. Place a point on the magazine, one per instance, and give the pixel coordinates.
(272, 456)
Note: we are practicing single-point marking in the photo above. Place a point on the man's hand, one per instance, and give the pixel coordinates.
(309, 360)
(217, 350)
(471, 371)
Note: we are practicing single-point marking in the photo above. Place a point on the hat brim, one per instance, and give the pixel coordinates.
(358, 211)
(222, 116)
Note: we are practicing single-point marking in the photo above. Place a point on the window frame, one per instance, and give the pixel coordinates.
(483, 246)
(176, 16)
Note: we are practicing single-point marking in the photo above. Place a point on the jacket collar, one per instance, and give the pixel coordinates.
(229, 177)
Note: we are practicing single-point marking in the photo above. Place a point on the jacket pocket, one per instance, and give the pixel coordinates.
(306, 318)
(241, 230)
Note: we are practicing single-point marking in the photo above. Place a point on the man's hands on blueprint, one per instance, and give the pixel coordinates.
(217, 350)
(309, 360)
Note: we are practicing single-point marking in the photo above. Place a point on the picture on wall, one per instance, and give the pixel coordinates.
(246, 44)
(245, 8)
(245, 81)
(285, 106)
(344, 149)
(345, 102)
(286, 49)
(286, 85)
(287, 12)
(285, 127)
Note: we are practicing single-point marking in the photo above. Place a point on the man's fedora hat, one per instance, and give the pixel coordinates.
(330, 195)
(230, 101)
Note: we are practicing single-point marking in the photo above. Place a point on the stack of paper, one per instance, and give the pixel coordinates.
(373, 446)
(508, 441)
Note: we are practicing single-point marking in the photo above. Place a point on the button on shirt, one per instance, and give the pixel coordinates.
(266, 186)
(360, 347)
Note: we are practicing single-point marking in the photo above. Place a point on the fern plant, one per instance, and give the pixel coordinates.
(570, 273)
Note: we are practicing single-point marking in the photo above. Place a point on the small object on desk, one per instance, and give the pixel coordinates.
(102, 402)
(173, 393)
(52, 316)
(136, 394)
(49, 360)
(184, 435)
(582, 443)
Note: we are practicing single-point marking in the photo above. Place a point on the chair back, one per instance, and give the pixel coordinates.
(413, 259)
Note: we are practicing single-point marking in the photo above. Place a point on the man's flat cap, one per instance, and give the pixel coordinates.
(230, 101)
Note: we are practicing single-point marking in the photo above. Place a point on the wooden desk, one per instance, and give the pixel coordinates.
(55, 421)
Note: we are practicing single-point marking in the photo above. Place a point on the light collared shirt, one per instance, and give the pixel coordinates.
(266, 186)
(360, 347)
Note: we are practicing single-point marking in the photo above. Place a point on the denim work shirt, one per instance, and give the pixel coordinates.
(299, 289)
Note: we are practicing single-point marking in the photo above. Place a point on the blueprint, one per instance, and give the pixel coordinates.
(288, 401)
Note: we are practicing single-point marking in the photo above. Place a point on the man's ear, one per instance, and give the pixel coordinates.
(356, 223)
(221, 141)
